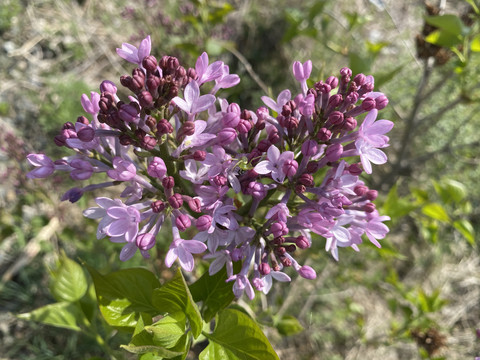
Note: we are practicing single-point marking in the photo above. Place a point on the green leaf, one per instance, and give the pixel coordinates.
(443, 38)
(289, 325)
(237, 336)
(168, 331)
(62, 314)
(475, 44)
(174, 297)
(397, 207)
(448, 23)
(155, 350)
(466, 229)
(385, 77)
(215, 293)
(68, 281)
(436, 211)
(124, 294)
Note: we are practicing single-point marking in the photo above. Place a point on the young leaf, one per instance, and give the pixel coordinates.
(155, 350)
(436, 211)
(448, 23)
(289, 325)
(123, 294)
(215, 293)
(237, 336)
(63, 315)
(175, 297)
(466, 229)
(68, 281)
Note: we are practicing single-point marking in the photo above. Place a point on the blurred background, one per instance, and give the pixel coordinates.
(416, 298)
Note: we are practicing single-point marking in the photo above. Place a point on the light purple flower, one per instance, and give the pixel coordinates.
(101, 213)
(90, 105)
(279, 212)
(282, 99)
(222, 258)
(183, 250)
(194, 103)
(44, 166)
(217, 160)
(373, 131)
(226, 80)
(125, 222)
(376, 229)
(268, 279)
(206, 72)
(241, 285)
(132, 54)
(76, 143)
(369, 153)
(302, 73)
(123, 170)
(82, 169)
(194, 174)
(274, 163)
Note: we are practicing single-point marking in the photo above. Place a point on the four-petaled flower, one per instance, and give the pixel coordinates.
(274, 163)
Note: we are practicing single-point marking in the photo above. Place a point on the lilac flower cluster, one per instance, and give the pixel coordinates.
(252, 186)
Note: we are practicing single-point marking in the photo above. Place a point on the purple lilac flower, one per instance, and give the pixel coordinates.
(251, 186)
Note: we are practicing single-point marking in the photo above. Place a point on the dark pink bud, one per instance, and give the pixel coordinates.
(312, 167)
(368, 104)
(359, 79)
(138, 79)
(69, 126)
(273, 136)
(369, 207)
(187, 129)
(262, 113)
(263, 145)
(335, 100)
(244, 126)
(219, 180)
(164, 127)
(286, 110)
(125, 140)
(309, 148)
(226, 136)
(257, 190)
(334, 152)
(148, 143)
(346, 72)
(360, 190)
(235, 108)
(290, 248)
(349, 124)
(127, 113)
(381, 102)
(324, 134)
(281, 251)
(306, 179)
(86, 134)
(153, 82)
(291, 122)
(231, 119)
(175, 201)
(279, 240)
(307, 272)
(150, 63)
(372, 194)
(302, 242)
(300, 189)
(279, 229)
(199, 155)
(335, 118)
(157, 206)
(192, 74)
(264, 268)
(145, 99)
(332, 81)
(355, 169)
(60, 140)
(108, 86)
(195, 205)
(204, 222)
(290, 168)
(83, 120)
(183, 222)
(168, 182)
(145, 241)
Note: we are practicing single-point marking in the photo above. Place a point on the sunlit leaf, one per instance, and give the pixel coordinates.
(465, 228)
(62, 314)
(69, 282)
(436, 211)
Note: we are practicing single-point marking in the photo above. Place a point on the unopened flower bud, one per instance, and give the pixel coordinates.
(157, 206)
(264, 269)
(108, 86)
(332, 81)
(219, 180)
(360, 190)
(302, 242)
(369, 104)
(187, 129)
(150, 63)
(324, 134)
(291, 122)
(168, 182)
(145, 99)
(195, 205)
(83, 120)
(349, 124)
(280, 250)
(369, 207)
(306, 179)
(273, 136)
(335, 118)
(312, 167)
(157, 168)
(346, 72)
(86, 134)
(262, 113)
(300, 189)
(290, 248)
(127, 113)
(381, 102)
(148, 143)
(199, 155)
(279, 229)
(334, 152)
(183, 222)
(164, 127)
(226, 136)
(307, 272)
(372, 194)
(175, 201)
(153, 82)
(355, 169)
(244, 126)
(359, 79)
(145, 241)
(204, 222)
(309, 148)
(290, 168)
(151, 122)
(263, 145)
